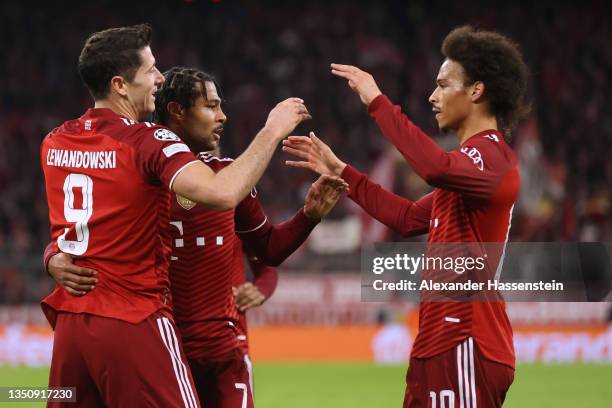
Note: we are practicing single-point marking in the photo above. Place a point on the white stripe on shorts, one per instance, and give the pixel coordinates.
(177, 364)
(459, 375)
(177, 353)
(249, 366)
(466, 374)
(472, 367)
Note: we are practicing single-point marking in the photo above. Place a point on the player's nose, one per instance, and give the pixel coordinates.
(221, 117)
(159, 78)
(433, 97)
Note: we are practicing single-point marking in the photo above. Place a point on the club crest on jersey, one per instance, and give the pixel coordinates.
(165, 135)
(185, 202)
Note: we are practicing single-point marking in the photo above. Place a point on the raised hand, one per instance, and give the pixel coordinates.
(317, 156)
(76, 280)
(323, 196)
(248, 296)
(360, 81)
(285, 116)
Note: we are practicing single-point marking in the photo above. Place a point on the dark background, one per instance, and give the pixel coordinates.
(262, 52)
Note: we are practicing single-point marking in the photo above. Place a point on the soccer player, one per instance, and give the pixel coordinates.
(463, 355)
(201, 271)
(108, 179)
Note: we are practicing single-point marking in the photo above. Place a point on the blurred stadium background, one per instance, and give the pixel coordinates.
(314, 342)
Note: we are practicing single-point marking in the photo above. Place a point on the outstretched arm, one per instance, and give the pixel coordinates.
(465, 171)
(224, 190)
(404, 216)
(273, 243)
(408, 218)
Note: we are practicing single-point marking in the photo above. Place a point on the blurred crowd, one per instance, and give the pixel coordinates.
(262, 52)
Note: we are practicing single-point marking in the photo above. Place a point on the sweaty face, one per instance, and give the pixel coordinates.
(451, 98)
(203, 122)
(140, 91)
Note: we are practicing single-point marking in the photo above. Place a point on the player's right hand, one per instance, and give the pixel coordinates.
(285, 116)
(76, 280)
(361, 82)
(317, 156)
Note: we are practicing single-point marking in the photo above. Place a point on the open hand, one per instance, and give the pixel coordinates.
(317, 156)
(323, 196)
(248, 296)
(285, 116)
(360, 81)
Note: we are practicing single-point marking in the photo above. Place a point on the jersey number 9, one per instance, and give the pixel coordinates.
(79, 216)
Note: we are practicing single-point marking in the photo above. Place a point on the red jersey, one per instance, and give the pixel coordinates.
(203, 264)
(202, 268)
(475, 190)
(107, 180)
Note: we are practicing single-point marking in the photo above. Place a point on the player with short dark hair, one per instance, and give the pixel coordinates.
(108, 179)
(112, 52)
(463, 355)
(203, 266)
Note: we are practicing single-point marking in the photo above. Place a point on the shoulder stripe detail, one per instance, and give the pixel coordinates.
(254, 229)
(211, 158)
(206, 157)
(179, 170)
(492, 137)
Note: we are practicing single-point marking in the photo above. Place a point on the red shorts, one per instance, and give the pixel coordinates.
(113, 363)
(458, 378)
(224, 382)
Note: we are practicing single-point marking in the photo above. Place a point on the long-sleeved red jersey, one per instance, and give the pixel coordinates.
(476, 187)
(203, 262)
(107, 180)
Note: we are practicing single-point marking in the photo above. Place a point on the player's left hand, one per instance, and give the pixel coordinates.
(248, 296)
(323, 196)
(360, 81)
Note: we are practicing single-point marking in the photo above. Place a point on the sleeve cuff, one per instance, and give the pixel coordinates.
(303, 219)
(379, 101)
(50, 251)
(351, 175)
(266, 289)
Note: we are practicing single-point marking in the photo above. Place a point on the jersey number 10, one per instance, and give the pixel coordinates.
(79, 216)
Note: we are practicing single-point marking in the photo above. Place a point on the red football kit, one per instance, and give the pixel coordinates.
(202, 273)
(212, 327)
(476, 187)
(107, 180)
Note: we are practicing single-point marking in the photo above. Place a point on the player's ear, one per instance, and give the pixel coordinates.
(477, 91)
(175, 110)
(119, 84)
